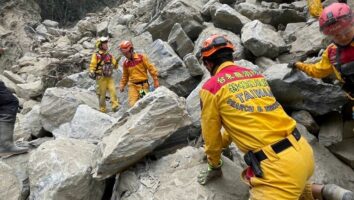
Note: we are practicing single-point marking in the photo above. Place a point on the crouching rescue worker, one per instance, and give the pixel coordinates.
(240, 100)
(101, 69)
(336, 21)
(135, 69)
(8, 112)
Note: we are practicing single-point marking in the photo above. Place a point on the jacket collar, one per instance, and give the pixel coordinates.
(224, 65)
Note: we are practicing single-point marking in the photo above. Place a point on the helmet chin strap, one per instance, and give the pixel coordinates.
(343, 46)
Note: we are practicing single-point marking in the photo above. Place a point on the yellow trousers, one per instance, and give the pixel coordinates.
(286, 174)
(133, 92)
(104, 84)
(315, 7)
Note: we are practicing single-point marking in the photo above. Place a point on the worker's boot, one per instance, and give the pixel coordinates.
(7, 146)
(334, 192)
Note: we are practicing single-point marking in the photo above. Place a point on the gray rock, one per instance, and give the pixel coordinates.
(42, 30)
(102, 28)
(179, 41)
(328, 169)
(209, 9)
(172, 71)
(193, 65)
(344, 151)
(247, 64)
(228, 18)
(85, 25)
(270, 16)
(88, 45)
(207, 32)
(184, 12)
(14, 77)
(348, 129)
(28, 105)
(295, 90)
(265, 62)
(60, 169)
(309, 39)
(303, 117)
(262, 39)
(80, 80)
(59, 105)
(50, 23)
(30, 90)
(9, 84)
(144, 127)
(87, 123)
(193, 102)
(10, 187)
(289, 34)
(174, 177)
(331, 129)
(28, 124)
(14, 176)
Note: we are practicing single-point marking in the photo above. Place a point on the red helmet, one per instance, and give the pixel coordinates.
(214, 43)
(335, 17)
(125, 46)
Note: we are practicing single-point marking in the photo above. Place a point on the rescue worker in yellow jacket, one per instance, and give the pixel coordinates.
(336, 21)
(240, 100)
(315, 7)
(135, 69)
(101, 69)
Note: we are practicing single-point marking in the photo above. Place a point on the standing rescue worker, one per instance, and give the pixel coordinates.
(101, 69)
(336, 21)
(8, 111)
(135, 69)
(240, 100)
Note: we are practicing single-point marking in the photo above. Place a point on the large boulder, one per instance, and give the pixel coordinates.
(10, 186)
(14, 184)
(295, 90)
(175, 177)
(60, 169)
(309, 40)
(179, 41)
(59, 105)
(80, 80)
(29, 124)
(210, 30)
(328, 169)
(262, 39)
(143, 127)
(305, 118)
(87, 123)
(184, 12)
(331, 129)
(272, 16)
(228, 18)
(193, 65)
(344, 151)
(193, 103)
(172, 71)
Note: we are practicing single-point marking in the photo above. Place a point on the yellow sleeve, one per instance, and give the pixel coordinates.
(114, 62)
(211, 125)
(93, 63)
(320, 69)
(125, 77)
(150, 67)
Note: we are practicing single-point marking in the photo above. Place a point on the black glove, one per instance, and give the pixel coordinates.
(292, 65)
(92, 75)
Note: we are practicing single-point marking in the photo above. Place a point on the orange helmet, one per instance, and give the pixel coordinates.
(214, 43)
(125, 46)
